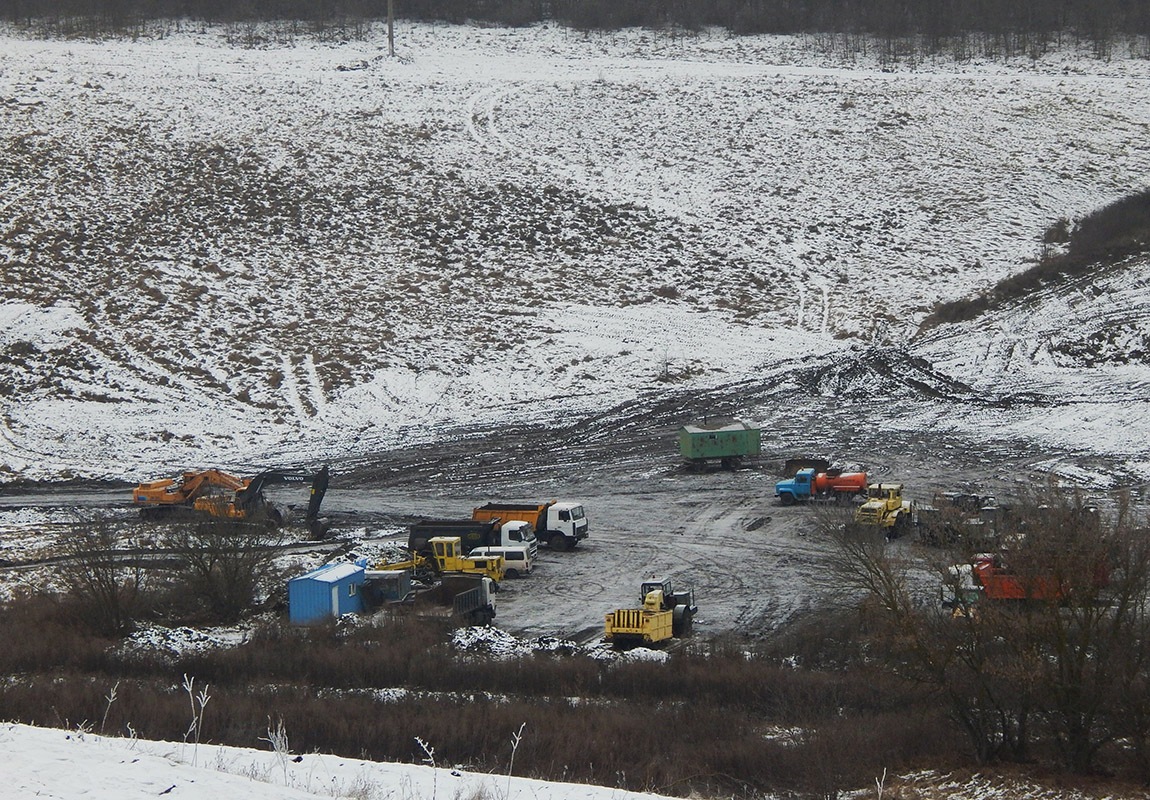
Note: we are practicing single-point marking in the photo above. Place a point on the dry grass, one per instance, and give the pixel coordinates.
(706, 722)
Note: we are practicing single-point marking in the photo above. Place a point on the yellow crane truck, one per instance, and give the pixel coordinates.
(664, 615)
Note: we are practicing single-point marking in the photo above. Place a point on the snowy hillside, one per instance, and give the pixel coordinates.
(215, 255)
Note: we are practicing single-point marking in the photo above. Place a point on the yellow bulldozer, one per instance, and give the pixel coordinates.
(447, 559)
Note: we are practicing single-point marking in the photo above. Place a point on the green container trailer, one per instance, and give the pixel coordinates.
(728, 440)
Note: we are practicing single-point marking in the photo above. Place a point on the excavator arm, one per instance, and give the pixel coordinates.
(250, 498)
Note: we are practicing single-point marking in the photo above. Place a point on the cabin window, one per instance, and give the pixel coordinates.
(565, 515)
(352, 588)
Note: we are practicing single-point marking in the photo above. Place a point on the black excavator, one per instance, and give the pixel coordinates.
(251, 498)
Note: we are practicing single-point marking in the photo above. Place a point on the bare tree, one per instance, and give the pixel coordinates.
(103, 577)
(226, 563)
(918, 639)
(1062, 657)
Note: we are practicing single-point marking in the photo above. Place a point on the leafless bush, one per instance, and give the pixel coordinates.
(226, 563)
(1049, 667)
(1112, 233)
(103, 578)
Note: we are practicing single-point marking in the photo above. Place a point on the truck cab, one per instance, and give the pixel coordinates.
(518, 533)
(795, 489)
(568, 520)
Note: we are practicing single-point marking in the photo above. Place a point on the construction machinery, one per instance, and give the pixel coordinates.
(212, 493)
(664, 615)
(447, 559)
(972, 519)
(988, 578)
(829, 485)
(471, 598)
(885, 508)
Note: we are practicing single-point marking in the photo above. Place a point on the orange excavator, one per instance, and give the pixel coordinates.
(216, 494)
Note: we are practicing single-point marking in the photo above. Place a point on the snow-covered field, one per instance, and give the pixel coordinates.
(235, 257)
(55, 763)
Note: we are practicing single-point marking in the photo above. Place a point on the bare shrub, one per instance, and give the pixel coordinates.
(104, 580)
(226, 563)
(1114, 232)
(1050, 669)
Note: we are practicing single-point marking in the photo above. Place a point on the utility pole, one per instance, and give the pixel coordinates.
(391, 28)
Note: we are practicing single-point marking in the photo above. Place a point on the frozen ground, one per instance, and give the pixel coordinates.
(511, 263)
(216, 255)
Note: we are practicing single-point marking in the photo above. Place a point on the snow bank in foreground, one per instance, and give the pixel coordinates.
(48, 762)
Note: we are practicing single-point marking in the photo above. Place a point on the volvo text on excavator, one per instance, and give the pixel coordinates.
(220, 495)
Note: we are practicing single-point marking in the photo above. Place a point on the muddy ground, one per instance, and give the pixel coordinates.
(754, 565)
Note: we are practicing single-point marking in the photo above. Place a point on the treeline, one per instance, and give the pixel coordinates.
(1097, 20)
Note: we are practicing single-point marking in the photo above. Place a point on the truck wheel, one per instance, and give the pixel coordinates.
(558, 542)
(787, 499)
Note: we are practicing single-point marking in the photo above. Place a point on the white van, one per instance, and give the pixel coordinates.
(517, 561)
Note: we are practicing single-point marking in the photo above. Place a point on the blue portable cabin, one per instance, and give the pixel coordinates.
(325, 593)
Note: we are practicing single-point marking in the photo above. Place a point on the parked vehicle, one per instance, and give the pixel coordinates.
(560, 525)
(664, 615)
(833, 485)
(728, 441)
(446, 557)
(472, 534)
(212, 493)
(517, 559)
(987, 578)
(886, 509)
(471, 598)
(951, 517)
